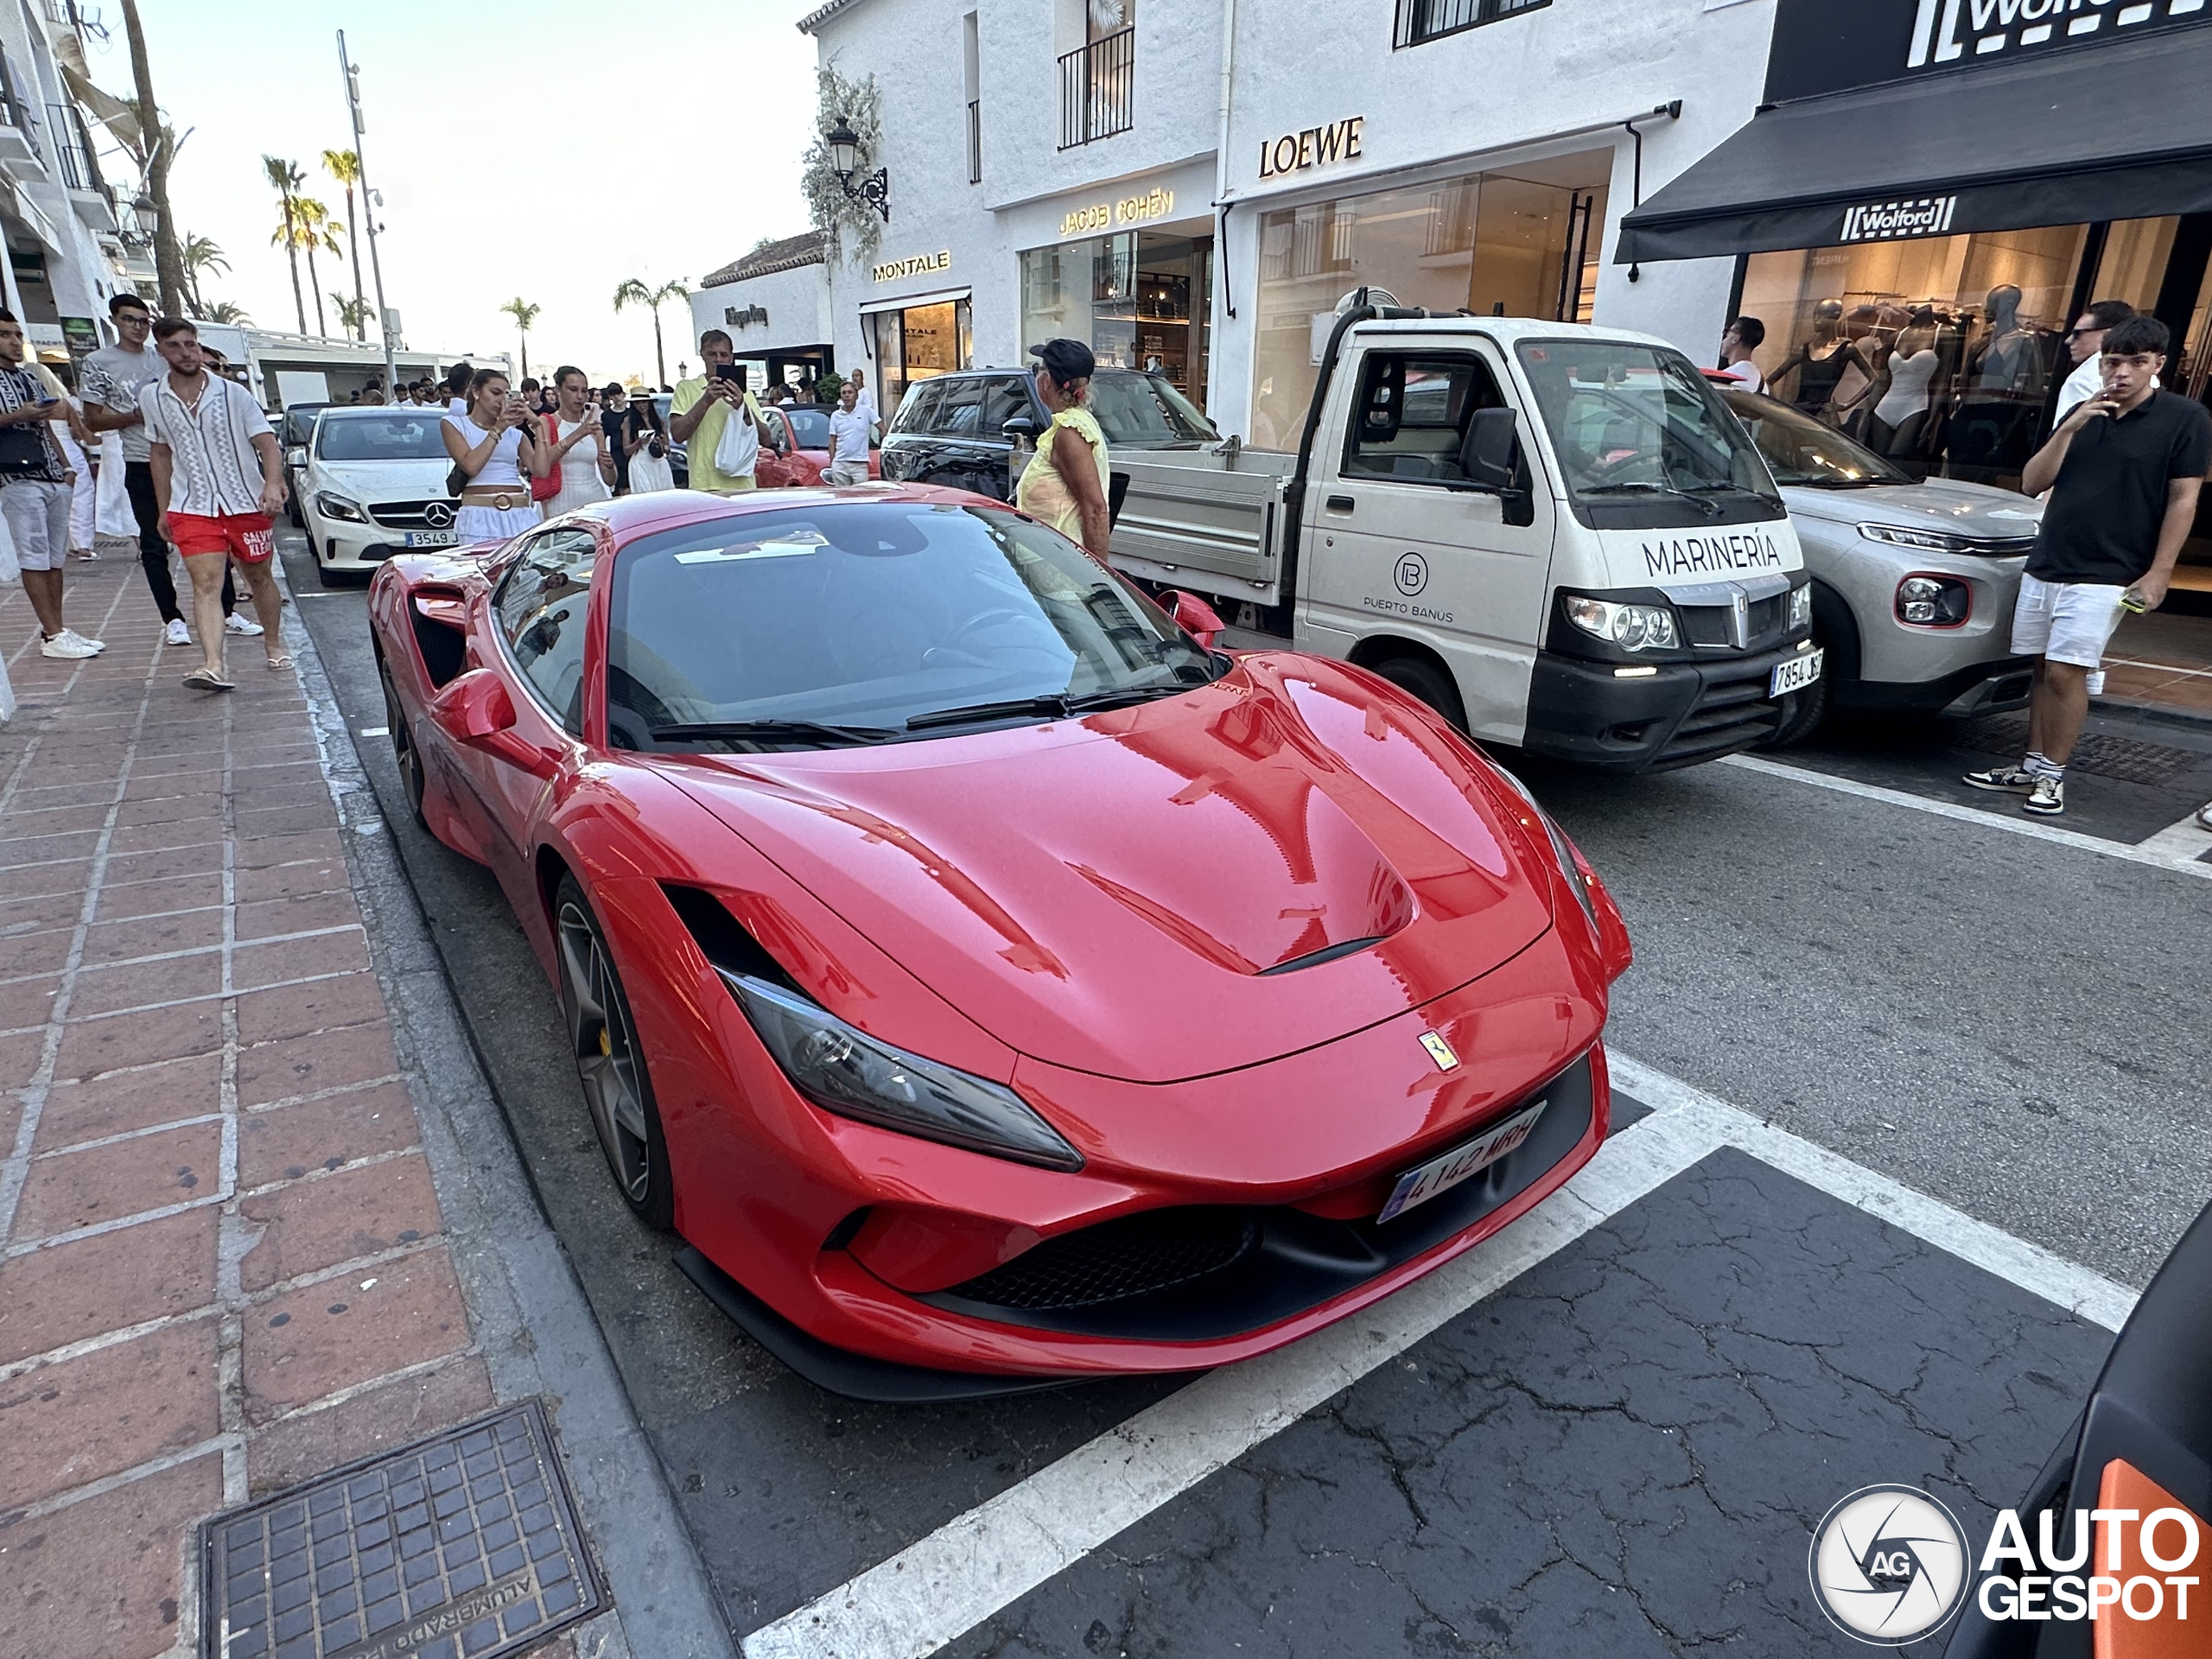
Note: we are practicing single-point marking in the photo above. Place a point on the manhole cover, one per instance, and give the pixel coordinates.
(2127, 759)
(464, 1545)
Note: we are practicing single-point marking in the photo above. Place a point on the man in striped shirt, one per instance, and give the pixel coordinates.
(35, 492)
(218, 478)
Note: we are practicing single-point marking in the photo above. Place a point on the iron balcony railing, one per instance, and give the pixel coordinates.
(1099, 88)
(1425, 19)
(80, 168)
(975, 141)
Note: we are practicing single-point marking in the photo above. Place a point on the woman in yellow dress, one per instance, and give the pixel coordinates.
(1065, 482)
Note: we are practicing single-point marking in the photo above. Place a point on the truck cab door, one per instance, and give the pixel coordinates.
(1403, 543)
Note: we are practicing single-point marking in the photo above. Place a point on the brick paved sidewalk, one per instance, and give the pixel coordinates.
(222, 1267)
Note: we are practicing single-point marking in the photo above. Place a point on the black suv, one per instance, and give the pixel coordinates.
(952, 428)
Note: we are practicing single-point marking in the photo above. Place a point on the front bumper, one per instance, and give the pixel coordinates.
(915, 1254)
(1978, 689)
(1683, 714)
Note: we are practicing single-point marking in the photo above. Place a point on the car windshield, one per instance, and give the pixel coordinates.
(1143, 411)
(796, 626)
(381, 437)
(1645, 442)
(1802, 450)
(810, 427)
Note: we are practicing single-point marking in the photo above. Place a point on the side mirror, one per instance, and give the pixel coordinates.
(1022, 428)
(1488, 453)
(475, 706)
(296, 455)
(1194, 616)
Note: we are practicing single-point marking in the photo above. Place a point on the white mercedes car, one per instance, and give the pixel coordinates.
(372, 483)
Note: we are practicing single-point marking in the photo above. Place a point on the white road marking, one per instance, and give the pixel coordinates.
(2159, 860)
(2187, 841)
(945, 1585)
(374, 731)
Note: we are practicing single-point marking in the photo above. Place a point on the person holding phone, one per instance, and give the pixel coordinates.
(494, 445)
(701, 410)
(2123, 472)
(34, 494)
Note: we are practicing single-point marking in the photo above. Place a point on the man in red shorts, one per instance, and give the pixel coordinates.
(218, 478)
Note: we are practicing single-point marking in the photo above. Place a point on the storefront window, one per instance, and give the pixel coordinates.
(1940, 355)
(917, 343)
(1137, 300)
(1523, 243)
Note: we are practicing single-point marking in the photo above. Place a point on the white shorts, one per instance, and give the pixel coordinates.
(2066, 621)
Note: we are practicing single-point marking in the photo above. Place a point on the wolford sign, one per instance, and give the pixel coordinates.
(1883, 221)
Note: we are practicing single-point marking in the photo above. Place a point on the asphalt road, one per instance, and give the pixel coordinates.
(1626, 1442)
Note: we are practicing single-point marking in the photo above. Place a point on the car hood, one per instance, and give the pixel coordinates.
(381, 480)
(1153, 893)
(1939, 503)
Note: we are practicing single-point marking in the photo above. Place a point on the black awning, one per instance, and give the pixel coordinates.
(2123, 133)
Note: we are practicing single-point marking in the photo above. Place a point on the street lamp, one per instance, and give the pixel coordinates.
(844, 157)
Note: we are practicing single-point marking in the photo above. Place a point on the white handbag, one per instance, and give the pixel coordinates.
(738, 450)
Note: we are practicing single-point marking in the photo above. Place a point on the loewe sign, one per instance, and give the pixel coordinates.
(1315, 146)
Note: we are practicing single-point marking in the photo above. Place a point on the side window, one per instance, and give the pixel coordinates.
(1003, 398)
(778, 435)
(1413, 413)
(914, 413)
(541, 607)
(958, 412)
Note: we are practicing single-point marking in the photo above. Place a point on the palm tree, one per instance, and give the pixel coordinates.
(354, 313)
(284, 178)
(224, 311)
(308, 226)
(634, 292)
(345, 166)
(199, 253)
(524, 313)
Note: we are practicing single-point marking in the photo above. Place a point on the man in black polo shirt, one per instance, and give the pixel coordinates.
(2123, 471)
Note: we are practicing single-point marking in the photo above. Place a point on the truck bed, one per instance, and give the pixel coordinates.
(1202, 520)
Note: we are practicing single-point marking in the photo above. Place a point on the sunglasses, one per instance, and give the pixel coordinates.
(2083, 333)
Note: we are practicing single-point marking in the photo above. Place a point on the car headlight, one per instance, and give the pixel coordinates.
(1562, 850)
(843, 1069)
(1632, 627)
(1926, 541)
(338, 507)
(1926, 601)
(1801, 606)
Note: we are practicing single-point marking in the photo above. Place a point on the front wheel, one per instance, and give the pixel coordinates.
(404, 754)
(1428, 683)
(610, 1064)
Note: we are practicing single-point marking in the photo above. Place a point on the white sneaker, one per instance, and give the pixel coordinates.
(242, 626)
(177, 633)
(66, 644)
(97, 646)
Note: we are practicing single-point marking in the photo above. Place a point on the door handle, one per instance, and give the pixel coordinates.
(1341, 504)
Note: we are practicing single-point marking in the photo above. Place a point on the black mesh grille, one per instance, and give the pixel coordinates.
(1127, 1257)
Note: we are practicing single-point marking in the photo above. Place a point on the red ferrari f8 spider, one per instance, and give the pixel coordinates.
(992, 983)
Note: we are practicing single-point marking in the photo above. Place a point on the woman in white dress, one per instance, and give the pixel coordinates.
(649, 468)
(495, 447)
(577, 442)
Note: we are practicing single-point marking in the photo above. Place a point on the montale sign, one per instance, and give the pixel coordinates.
(1294, 152)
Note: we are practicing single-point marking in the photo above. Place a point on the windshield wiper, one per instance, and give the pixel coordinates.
(1057, 705)
(1711, 509)
(1849, 483)
(813, 732)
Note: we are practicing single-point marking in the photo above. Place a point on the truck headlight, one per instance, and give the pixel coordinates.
(1801, 606)
(843, 1069)
(338, 506)
(1925, 601)
(1632, 627)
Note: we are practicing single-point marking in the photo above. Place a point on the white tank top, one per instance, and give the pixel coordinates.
(580, 479)
(502, 470)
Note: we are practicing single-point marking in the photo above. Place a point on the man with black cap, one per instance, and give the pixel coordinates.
(1065, 482)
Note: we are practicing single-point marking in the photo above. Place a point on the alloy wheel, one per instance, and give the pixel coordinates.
(606, 1053)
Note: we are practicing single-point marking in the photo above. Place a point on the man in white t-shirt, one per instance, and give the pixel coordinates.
(858, 380)
(2085, 342)
(1744, 336)
(848, 435)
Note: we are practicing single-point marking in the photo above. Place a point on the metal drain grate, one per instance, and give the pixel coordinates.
(464, 1545)
(2125, 760)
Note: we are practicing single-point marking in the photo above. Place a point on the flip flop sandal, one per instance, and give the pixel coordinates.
(280, 662)
(201, 679)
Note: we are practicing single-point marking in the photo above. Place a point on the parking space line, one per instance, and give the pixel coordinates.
(975, 1565)
(2154, 852)
(2187, 841)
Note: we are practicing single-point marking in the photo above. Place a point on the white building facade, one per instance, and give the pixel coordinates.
(1188, 185)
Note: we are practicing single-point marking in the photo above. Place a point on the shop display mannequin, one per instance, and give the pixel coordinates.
(2001, 394)
(1820, 365)
(1900, 418)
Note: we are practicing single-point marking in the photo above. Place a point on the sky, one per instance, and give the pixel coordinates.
(546, 151)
